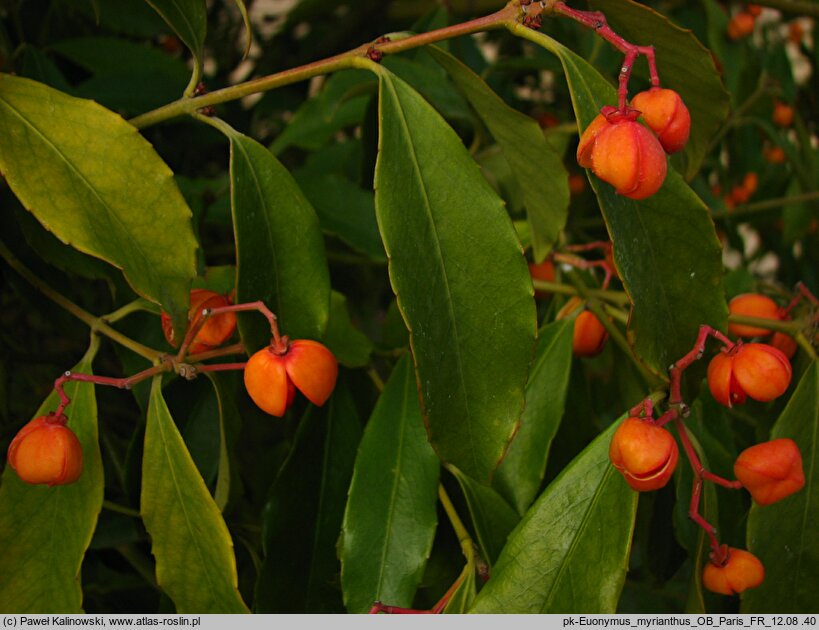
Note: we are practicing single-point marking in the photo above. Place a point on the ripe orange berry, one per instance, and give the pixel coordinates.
(783, 114)
(795, 32)
(45, 451)
(741, 25)
(771, 471)
(272, 375)
(666, 115)
(754, 10)
(589, 335)
(774, 155)
(750, 182)
(629, 157)
(753, 369)
(742, 570)
(214, 332)
(644, 453)
(752, 305)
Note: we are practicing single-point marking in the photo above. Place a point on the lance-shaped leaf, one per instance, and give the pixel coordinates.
(189, 20)
(230, 422)
(44, 531)
(195, 564)
(493, 518)
(537, 169)
(684, 65)
(351, 347)
(665, 246)
(521, 471)
(303, 514)
(390, 520)
(280, 257)
(93, 181)
(783, 535)
(570, 552)
(460, 278)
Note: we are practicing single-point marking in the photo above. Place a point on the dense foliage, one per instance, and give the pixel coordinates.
(385, 202)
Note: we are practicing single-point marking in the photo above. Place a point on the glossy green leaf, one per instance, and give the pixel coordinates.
(570, 552)
(684, 65)
(303, 514)
(195, 565)
(464, 594)
(279, 246)
(189, 20)
(462, 283)
(492, 517)
(351, 346)
(536, 167)
(44, 531)
(93, 181)
(783, 535)
(521, 472)
(391, 517)
(666, 247)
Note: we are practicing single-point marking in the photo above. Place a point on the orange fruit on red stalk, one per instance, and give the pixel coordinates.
(45, 451)
(753, 369)
(644, 453)
(742, 570)
(589, 335)
(274, 373)
(214, 332)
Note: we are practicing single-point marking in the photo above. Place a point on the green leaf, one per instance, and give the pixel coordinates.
(666, 247)
(279, 247)
(464, 594)
(189, 20)
(570, 552)
(783, 535)
(462, 284)
(391, 517)
(684, 65)
(536, 167)
(44, 531)
(195, 564)
(492, 517)
(94, 182)
(240, 4)
(519, 476)
(351, 346)
(302, 517)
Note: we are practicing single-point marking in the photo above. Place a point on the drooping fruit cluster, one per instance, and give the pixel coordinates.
(46, 451)
(666, 115)
(754, 370)
(274, 373)
(737, 571)
(214, 332)
(644, 453)
(589, 335)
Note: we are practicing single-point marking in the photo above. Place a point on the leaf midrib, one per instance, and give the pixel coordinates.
(428, 208)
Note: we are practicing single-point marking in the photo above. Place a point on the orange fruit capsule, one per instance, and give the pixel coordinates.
(771, 471)
(783, 114)
(754, 369)
(742, 570)
(589, 335)
(45, 451)
(271, 376)
(741, 25)
(752, 305)
(644, 453)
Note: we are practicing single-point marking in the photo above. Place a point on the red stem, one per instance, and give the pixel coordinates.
(676, 370)
(121, 383)
(597, 21)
